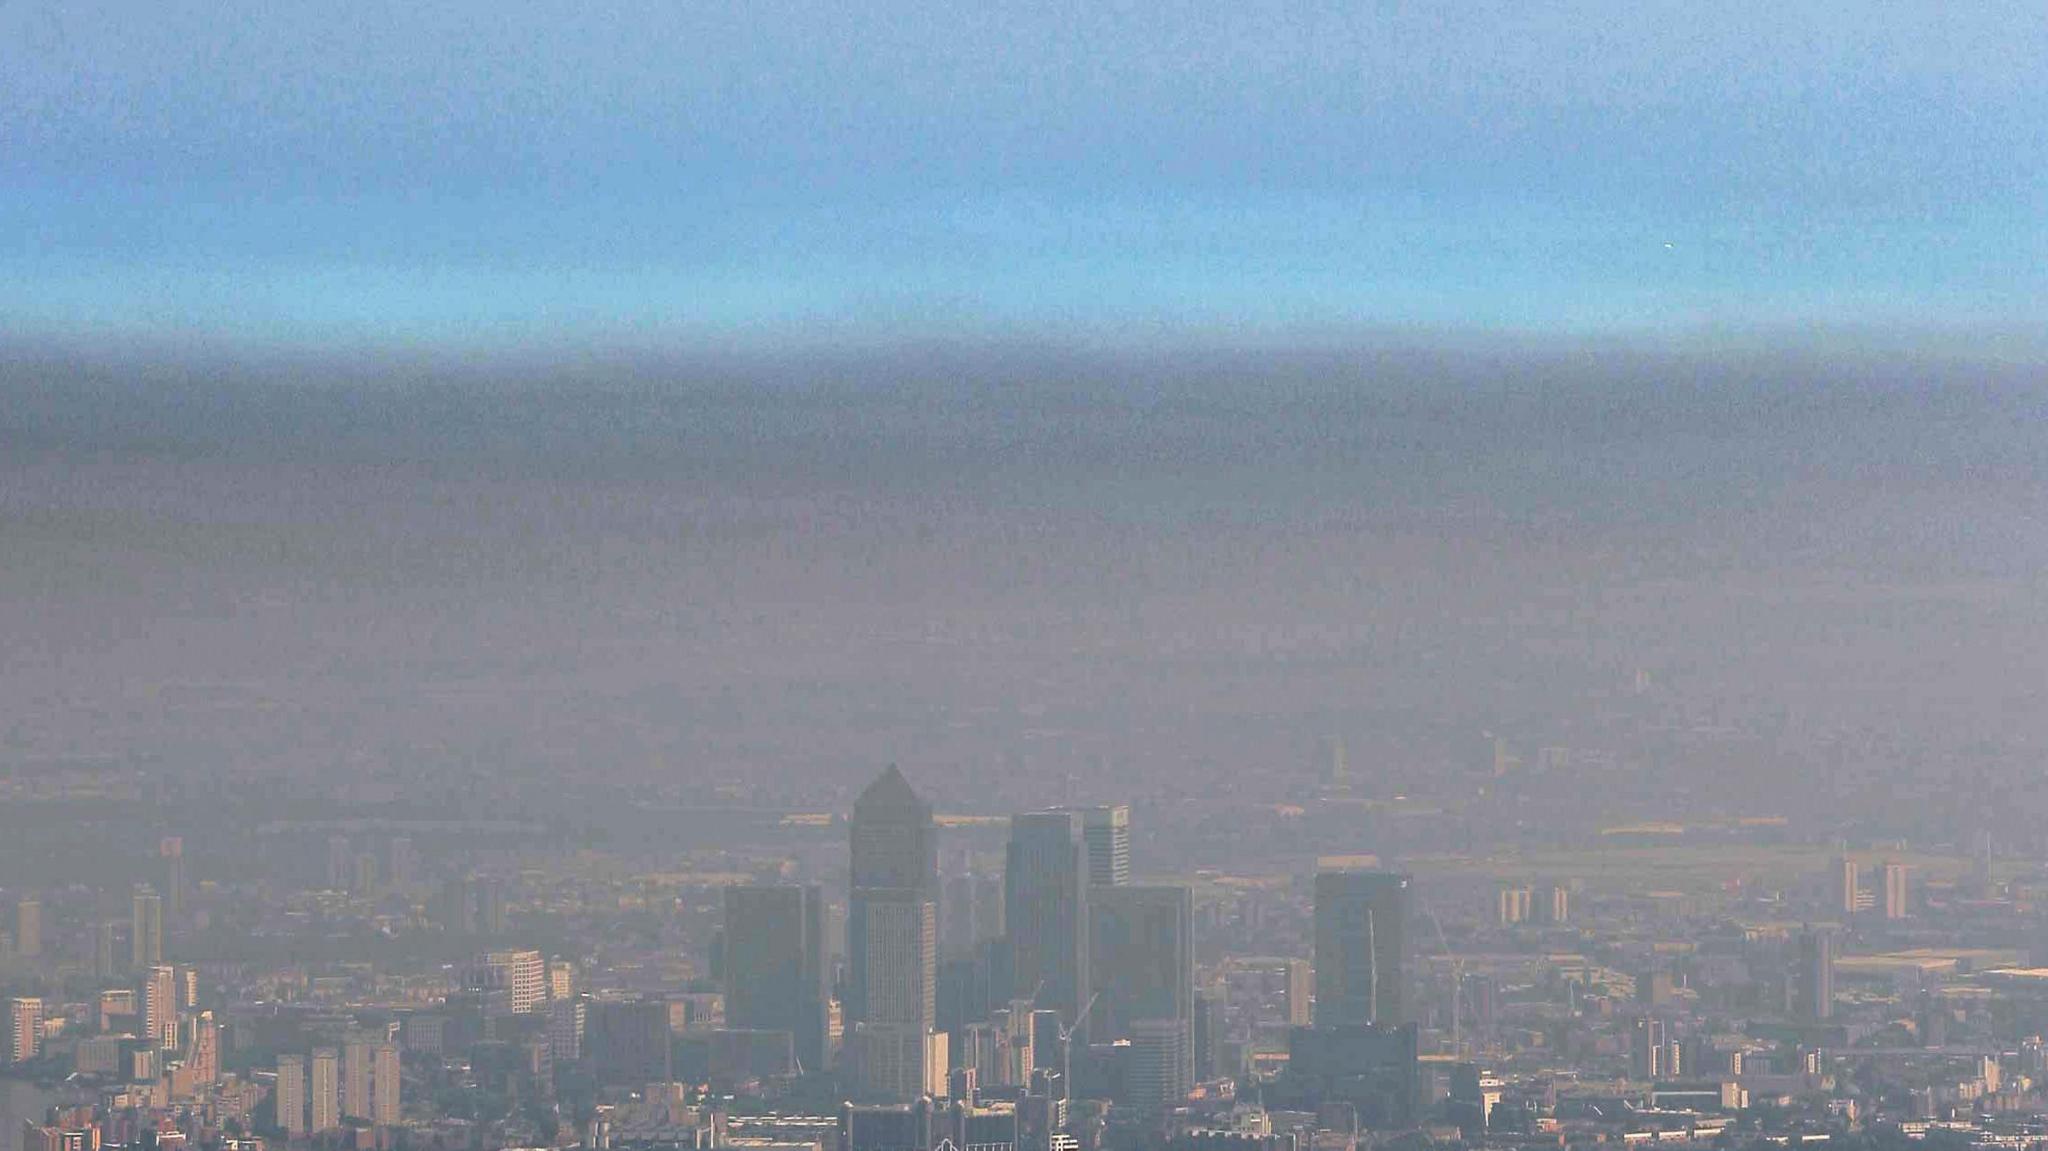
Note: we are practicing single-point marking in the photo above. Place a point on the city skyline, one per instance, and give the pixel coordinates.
(1190, 985)
(1300, 575)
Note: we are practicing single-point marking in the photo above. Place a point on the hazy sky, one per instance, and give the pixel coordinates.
(1198, 572)
(453, 173)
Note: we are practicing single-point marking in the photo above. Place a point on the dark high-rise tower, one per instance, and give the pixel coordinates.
(400, 862)
(1815, 982)
(340, 862)
(1045, 907)
(1141, 961)
(28, 928)
(1361, 932)
(171, 849)
(892, 943)
(775, 965)
(146, 929)
(895, 847)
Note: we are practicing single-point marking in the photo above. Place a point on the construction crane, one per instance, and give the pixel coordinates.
(1067, 1046)
(1066, 1036)
(1457, 976)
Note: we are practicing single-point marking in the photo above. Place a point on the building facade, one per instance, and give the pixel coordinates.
(1045, 906)
(775, 965)
(1108, 833)
(1141, 966)
(1360, 948)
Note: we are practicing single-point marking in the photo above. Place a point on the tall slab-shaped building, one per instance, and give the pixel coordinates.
(1360, 945)
(1141, 964)
(1045, 907)
(891, 1001)
(775, 965)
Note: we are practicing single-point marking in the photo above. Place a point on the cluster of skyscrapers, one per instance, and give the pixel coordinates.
(1892, 897)
(152, 1031)
(1075, 953)
(1077, 957)
(360, 1081)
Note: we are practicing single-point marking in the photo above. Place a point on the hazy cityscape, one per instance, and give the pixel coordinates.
(1377, 755)
(1281, 575)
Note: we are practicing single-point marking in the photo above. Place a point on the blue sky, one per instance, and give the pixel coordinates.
(458, 174)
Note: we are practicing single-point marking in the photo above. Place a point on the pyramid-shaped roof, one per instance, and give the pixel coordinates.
(890, 792)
